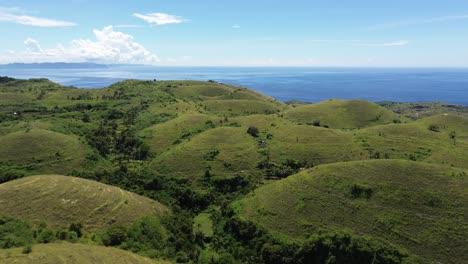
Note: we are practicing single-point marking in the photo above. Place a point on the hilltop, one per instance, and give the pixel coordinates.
(416, 206)
(342, 114)
(62, 200)
(73, 254)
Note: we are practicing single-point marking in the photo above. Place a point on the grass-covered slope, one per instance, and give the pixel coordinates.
(61, 200)
(313, 144)
(439, 139)
(417, 206)
(73, 254)
(46, 151)
(222, 151)
(162, 136)
(342, 114)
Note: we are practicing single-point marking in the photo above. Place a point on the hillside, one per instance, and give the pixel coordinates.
(73, 254)
(429, 139)
(46, 151)
(60, 200)
(223, 151)
(342, 114)
(200, 147)
(416, 206)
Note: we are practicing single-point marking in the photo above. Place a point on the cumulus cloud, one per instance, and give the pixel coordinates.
(111, 47)
(15, 15)
(160, 18)
(33, 45)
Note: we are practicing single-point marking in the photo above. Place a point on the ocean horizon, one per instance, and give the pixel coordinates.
(308, 84)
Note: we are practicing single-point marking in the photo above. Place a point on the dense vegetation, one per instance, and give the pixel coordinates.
(203, 172)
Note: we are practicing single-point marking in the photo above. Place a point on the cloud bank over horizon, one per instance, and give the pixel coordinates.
(109, 47)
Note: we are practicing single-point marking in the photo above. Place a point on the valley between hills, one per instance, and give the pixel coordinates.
(205, 172)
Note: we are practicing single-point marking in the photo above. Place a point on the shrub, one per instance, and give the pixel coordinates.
(27, 249)
(434, 128)
(76, 227)
(46, 236)
(253, 131)
(115, 236)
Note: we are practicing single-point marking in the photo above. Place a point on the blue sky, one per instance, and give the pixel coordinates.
(361, 33)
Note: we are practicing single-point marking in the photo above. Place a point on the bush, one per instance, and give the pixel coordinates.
(76, 227)
(27, 249)
(253, 131)
(14, 233)
(115, 236)
(46, 236)
(434, 128)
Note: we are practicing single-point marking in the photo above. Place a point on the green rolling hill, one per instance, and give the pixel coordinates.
(44, 150)
(351, 177)
(417, 206)
(61, 200)
(342, 114)
(73, 254)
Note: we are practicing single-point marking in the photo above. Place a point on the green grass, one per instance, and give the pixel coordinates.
(197, 133)
(313, 144)
(46, 151)
(73, 254)
(203, 223)
(417, 142)
(61, 200)
(418, 206)
(163, 136)
(417, 110)
(239, 107)
(342, 114)
(223, 151)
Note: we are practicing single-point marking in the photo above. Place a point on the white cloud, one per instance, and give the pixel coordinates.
(33, 45)
(388, 44)
(15, 15)
(160, 18)
(409, 22)
(128, 26)
(236, 26)
(110, 47)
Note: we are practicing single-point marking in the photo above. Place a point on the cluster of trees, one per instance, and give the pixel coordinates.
(16, 233)
(107, 140)
(247, 242)
(282, 170)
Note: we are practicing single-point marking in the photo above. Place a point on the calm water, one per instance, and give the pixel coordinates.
(306, 84)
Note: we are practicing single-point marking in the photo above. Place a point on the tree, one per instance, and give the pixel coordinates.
(453, 136)
(253, 131)
(86, 118)
(115, 236)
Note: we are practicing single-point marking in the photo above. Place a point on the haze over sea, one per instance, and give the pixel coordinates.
(306, 84)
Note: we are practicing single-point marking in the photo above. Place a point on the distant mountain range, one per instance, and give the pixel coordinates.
(54, 65)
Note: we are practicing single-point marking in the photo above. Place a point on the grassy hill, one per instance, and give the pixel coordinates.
(73, 254)
(61, 200)
(428, 139)
(417, 110)
(46, 151)
(222, 151)
(198, 146)
(417, 206)
(342, 114)
(163, 136)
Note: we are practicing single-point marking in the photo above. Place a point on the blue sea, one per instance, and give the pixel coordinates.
(305, 84)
